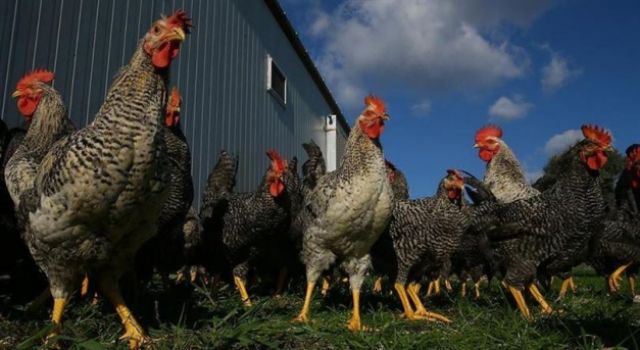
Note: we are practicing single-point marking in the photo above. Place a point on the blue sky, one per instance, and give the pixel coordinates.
(539, 69)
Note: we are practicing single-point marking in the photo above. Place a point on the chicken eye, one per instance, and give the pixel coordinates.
(156, 29)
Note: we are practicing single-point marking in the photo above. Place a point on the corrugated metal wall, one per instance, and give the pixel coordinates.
(221, 72)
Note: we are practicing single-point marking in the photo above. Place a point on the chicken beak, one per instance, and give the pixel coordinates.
(475, 145)
(176, 34)
(16, 94)
(385, 117)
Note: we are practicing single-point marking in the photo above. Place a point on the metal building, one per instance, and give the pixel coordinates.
(246, 80)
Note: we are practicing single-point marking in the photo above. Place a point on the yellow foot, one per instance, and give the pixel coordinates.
(476, 288)
(302, 318)
(356, 326)
(463, 290)
(614, 279)
(422, 314)
(377, 286)
(325, 286)
(447, 285)
(85, 286)
(134, 335)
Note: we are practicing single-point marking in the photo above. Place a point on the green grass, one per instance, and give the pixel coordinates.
(200, 319)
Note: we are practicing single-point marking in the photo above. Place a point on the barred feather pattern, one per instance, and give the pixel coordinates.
(164, 251)
(347, 211)
(314, 167)
(425, 234)
(100, 190)
(49, 124)
(505, 178)
(549, 231)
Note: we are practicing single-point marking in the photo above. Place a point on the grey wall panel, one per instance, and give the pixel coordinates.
(221, 72)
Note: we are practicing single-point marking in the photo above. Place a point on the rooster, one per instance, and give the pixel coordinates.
(348, 210)
(43, 107)
(423, 235)
(164, 251)
(247, 226)
(546, 233)
(98, 193)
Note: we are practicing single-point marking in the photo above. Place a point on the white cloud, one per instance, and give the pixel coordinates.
(534, 175)
(508, 109)
(421, 108)
(561, 142)
(557, 73)
(431, 46)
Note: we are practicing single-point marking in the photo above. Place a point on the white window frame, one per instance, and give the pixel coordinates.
(276, 95)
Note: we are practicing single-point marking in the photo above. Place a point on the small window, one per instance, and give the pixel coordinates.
(276, 81)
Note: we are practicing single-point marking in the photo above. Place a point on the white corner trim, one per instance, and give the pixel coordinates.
(331, 151)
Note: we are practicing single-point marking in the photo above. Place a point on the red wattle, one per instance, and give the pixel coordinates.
(27, 106)
(162, 58)
(597, 161)
(485, 155)
(276, 188)
(372, 129)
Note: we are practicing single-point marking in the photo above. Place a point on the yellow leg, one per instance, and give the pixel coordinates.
(563, 289)
(614, 279)
(522, 305)
(85, 286)
(430, 289)
(436, 285)
(193, 274)
(632, 285)
(240, 284)
(355, 323)
(377, 285)
(304, 313)
(402, 294)
(572, 285)
(326, 284)
(421, 311)
(463, 289)
(56, 316)
(447, 285)
(476, 287)
(133, 330)
(535, 292)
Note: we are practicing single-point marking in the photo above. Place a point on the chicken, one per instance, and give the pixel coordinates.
(98, 192)
(504, 176)
(617, 248)
(546, 233)
(165, 251)
(423, 235)
(248, 226)
(348, 210)
(313, 168)
(43, 107)
(398, 181)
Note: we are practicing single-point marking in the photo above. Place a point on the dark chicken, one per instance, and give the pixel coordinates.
(423, 235)
(164, 252)
(348, 210)
(617, 248)
(547, 232)
(245, 225)
(98, 193)
(398, 182)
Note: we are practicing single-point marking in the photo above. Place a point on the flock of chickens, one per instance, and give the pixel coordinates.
(115, 199)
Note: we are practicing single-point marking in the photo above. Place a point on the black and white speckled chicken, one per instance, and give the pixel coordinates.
(98, 193)
(42, 105)
(616, 248)
(423, 235)
(246, 225)
(546, 233)
(165, 251)
(348, 210)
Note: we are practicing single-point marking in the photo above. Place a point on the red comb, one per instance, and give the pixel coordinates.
(180, 19)
(487, 131)
(40, 75)
(277, 163)
(596, 134)
(375, 102)
(175, 99)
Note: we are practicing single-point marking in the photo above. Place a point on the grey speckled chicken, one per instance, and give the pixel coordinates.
(99, 192)
(348, 210)
(42, 105)
(424, 234)
(547, 232)
(165, 251)
(246, 225)
(398, 181)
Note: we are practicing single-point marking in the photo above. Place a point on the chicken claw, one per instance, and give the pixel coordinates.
(614, 278)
